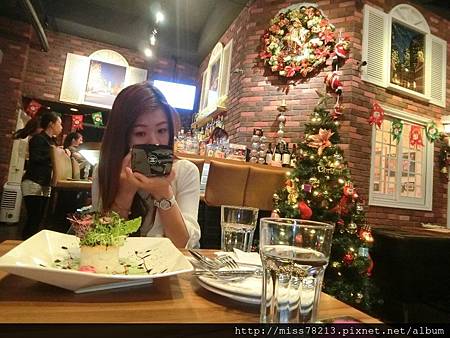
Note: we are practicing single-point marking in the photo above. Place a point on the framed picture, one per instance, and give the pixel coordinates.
(105, 81)
(213, 89)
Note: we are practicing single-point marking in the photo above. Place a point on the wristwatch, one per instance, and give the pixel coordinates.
(165, 204)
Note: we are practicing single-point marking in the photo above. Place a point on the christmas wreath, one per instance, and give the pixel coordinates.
(299, 41)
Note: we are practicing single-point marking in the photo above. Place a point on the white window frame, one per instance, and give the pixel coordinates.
(397, 201)
(376, 50)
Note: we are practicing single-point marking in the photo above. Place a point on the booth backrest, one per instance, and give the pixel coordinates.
(76, 174)
(226, 184)
(62, 165)
(260, 187)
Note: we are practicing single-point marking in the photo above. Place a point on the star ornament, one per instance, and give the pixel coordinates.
(321, 141)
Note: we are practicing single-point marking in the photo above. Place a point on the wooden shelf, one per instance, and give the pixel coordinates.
(204, 120)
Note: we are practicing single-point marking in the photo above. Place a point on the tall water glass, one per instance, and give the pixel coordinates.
(238, 227)
(294, 254)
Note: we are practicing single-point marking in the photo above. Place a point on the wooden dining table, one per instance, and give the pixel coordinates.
(174, 299)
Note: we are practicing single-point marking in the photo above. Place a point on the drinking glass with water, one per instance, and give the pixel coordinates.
(238, 227)
(294, 254)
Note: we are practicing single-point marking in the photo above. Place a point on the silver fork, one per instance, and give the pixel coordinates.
(228, 261)
(206, 261)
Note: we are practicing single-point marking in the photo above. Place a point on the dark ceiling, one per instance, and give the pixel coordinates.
(189, 32)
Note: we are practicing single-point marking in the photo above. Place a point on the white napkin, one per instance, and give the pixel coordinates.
(242, 257)
(247, 257)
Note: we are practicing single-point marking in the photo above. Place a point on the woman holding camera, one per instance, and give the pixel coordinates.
(167, 204)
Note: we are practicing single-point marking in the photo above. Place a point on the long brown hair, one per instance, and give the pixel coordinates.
(128, 106)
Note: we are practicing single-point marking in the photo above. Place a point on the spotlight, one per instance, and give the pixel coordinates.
(148, 52)
(159, 17)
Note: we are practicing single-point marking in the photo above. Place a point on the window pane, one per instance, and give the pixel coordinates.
(407, 57)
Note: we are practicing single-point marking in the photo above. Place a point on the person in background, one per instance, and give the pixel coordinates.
(36, 180)
(218, 135)
(167, 204)
(72, 142)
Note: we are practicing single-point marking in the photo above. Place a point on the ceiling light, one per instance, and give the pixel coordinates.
(73, 109)
(159, 17)
(148, 52)
(152, 39)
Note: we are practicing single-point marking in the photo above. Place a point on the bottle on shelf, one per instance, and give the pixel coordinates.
(277, 156)
(269, 154)
(286, 156)
(294, 156)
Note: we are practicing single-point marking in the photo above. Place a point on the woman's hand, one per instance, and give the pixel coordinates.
(128, 184)
(157, 186)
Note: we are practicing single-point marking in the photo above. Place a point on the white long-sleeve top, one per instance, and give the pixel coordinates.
(186, 188)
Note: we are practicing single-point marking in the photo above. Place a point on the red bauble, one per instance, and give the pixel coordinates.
(348, 258)
(366, 234)
(305, 210)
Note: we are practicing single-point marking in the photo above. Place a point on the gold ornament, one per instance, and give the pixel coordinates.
(352, 228)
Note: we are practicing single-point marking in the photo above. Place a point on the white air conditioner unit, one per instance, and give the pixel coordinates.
(11, 203)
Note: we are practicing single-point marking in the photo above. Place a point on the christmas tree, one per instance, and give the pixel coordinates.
(320, 188)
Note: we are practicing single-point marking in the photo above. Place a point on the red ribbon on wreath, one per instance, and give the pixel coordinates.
(376, 115)
(77, 122)
(415, 136)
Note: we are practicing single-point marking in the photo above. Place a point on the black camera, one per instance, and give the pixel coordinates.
(152, 159)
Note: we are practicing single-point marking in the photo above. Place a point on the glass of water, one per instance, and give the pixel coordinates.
(294, 254)
(238, 226)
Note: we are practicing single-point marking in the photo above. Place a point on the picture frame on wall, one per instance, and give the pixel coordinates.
(105, 81)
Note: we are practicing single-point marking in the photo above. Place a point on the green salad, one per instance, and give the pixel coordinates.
(110, 230)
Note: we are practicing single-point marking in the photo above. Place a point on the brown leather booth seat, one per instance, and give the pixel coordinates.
(65, 181)
(226, 184)
(236, 183)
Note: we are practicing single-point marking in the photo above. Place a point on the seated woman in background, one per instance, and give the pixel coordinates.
(72, 142)
(218, 135)
(36, 180)
(167, 204)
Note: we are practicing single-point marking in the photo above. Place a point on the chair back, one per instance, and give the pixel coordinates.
(199, 162)
(226, 183)
(260, 187)
(62, 165)
(76, 175)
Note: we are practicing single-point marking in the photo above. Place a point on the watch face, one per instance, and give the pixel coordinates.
(165, 204)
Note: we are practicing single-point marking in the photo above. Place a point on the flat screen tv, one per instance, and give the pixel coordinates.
(178, 95)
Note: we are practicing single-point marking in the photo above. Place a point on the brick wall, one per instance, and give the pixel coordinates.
(27, 71)
(14, 42)
(255, 95)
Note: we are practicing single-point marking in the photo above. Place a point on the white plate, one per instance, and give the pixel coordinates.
(239, 298)
(250, 287)
(43, 256)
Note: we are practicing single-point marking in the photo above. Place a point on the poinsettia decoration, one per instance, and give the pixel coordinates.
(376, 115)
(77, 122)
(321, 141)
(97, 118)
(397, 129)
(32, 108)
(432, 131)
(415, 136)
(298, 42)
